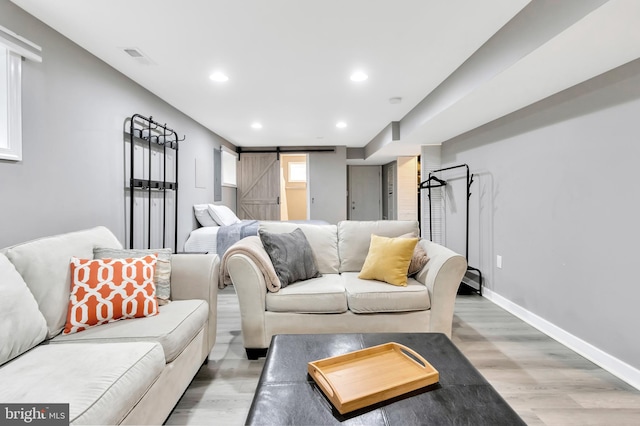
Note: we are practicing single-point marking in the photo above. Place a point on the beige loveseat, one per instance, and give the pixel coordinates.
(130, 371)
(340, 302)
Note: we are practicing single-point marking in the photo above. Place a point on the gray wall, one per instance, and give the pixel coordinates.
(72, 175)
(557, 195)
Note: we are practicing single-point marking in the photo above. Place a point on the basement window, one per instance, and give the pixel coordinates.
(13, 49)
(229, 165)
(297, 171)
(10, 105)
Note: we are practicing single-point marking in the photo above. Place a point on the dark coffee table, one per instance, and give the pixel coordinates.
(287, 395)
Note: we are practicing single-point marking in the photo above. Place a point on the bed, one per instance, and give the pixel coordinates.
(203, 240)
(220, 228)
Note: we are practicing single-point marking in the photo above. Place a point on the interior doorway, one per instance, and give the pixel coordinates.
(365, 193)
(258, 192)
(293, 187)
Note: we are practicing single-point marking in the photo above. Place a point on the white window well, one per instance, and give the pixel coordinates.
(10, 105)
(12, 49)
(229, 164)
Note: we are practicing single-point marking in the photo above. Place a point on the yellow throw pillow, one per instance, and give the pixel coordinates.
(388, 260)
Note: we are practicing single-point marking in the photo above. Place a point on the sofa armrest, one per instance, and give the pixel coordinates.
(195, 276)
(442, 275)
(250, 286)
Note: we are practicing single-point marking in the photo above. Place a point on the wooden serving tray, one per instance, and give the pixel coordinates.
(368, 376)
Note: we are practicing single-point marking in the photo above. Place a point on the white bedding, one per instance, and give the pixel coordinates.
(202, 240)
(205, 239)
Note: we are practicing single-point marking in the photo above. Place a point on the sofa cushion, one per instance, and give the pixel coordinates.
(44, 266)
(318, 295)
(99, 382)
(108, 290)
(366, 296)
(291, 256)
(322, 238)
(354, 238)
(22, 325)
(162, 275)
(388, 260)
(418, 260)
(175, 326)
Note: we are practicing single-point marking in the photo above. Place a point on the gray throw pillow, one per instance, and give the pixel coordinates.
(291, 256)
(162, 277)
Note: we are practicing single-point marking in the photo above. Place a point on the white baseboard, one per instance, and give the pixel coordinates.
(618, 368)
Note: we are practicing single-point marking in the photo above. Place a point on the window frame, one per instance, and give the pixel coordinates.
(228, 158)
(18, 49)
(11, 150)
(293, 164)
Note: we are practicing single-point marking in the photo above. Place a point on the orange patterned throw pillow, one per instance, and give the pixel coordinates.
(107, 290)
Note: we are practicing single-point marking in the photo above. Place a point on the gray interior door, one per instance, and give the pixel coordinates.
(365, 193)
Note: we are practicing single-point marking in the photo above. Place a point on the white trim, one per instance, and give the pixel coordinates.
(613, 365)
(13, 152)
(20, 45)
(224, 150)
(229, 150)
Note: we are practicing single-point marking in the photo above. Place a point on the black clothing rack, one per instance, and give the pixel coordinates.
(435, 182)
(147, 131)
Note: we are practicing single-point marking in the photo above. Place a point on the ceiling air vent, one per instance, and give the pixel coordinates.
(139, 57)
(134, 53)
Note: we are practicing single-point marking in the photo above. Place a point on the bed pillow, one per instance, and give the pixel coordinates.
(201, 211)
(291, 256)
(222, 215)
(108, 290)
(162, 275)
(388, 259)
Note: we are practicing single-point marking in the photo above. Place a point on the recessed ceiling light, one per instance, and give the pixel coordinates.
(341, 124)
(219, 77)
(256, 125)
(359, 76)
(395, 100)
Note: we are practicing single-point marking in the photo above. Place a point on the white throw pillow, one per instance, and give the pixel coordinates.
(201, 212)
(22, 325)
(223, 215)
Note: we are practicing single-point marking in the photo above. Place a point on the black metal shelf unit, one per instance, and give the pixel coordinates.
(435, 182)
(147, 132)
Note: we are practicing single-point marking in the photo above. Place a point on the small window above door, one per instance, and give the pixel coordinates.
(297, 172)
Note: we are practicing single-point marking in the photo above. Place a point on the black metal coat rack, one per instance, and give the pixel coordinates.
(435, 182)
(151, 133)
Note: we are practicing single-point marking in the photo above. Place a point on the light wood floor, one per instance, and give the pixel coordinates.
(546, 383)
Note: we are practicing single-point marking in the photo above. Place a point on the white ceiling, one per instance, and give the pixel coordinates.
(289, 61)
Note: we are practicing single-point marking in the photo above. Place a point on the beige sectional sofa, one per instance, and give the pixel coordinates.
(340, 302)
(130, 371)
